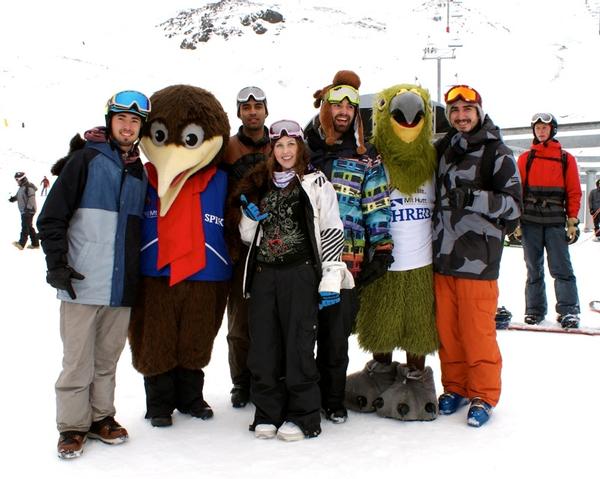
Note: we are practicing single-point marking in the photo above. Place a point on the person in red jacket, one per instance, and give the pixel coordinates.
(551, 200)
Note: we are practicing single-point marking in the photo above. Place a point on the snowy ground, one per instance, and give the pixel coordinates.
(545, 423)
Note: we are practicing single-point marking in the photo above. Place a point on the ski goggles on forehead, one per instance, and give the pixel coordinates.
(543, 117)
(127, 100)
(251, 91)
(337, 93)
(462, 92)
(285, 128)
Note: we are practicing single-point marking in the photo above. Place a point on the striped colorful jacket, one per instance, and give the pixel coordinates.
(362, 192)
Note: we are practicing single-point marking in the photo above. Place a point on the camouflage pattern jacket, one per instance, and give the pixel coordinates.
(468, 241)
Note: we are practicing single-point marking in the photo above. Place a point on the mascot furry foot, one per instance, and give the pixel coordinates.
(363, 387)
(412, 397)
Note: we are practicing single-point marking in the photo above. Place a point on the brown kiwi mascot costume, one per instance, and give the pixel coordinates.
(184, 260)
(397, 310)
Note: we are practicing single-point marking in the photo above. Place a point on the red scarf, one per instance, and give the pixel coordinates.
(180, 232)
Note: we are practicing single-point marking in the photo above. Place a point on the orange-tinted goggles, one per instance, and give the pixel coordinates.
(462, 92)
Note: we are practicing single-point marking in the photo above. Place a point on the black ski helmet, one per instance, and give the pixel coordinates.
(548, 119)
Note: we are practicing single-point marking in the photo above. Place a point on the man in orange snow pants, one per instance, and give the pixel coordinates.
(474, 200)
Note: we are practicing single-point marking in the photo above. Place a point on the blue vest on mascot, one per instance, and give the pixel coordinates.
(218, 264)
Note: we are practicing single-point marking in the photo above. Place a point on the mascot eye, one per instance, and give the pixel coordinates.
(381, 103)
(159, 133)
(192, 136)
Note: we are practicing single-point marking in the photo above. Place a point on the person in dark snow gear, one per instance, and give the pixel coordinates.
(249, 147)
(594, 206)
(25, 199)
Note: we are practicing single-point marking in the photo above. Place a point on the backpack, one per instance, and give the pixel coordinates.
(531, 156)
(486, 174)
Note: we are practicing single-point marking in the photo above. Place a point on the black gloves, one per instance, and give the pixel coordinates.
(12, 199)
(60, 278)
(460, 197)
(375, 268)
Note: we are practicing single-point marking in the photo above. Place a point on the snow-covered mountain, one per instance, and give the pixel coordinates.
(58, 63)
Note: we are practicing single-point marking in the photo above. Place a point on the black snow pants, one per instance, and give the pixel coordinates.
(335, 327)
(283, 329)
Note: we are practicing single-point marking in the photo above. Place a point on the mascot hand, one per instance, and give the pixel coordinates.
(375, 268)
(328, 298)
(460, 197)
(60, 278)
(251, 210)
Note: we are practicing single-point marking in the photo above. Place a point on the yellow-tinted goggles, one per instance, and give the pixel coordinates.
(462, 92)
(337, 93)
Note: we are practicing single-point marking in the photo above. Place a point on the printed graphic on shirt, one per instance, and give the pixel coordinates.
(411, 227)
(284, 239)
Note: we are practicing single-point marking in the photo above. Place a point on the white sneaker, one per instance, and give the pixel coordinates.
(265, 431)
(290, 432)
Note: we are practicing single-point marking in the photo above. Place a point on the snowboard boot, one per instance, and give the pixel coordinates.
(363, 387)
(533, 318)
(568, 321)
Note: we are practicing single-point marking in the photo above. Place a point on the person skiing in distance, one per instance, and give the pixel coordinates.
(25, 199)
(45, 183)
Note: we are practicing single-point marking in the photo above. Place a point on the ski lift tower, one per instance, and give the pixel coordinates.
(434, 53)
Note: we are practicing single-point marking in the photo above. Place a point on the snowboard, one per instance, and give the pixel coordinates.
(547, 327)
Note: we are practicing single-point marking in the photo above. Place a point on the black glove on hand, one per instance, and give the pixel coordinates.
(60, 278)
(460, 197)
(375, 268)
(12, 199)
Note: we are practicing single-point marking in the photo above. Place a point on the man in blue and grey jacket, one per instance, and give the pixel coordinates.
(90, 227)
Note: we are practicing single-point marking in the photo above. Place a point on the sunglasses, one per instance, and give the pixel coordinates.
(338, 93)
(462, 92)
(251, 91)
(543, 117)
(285, 128)
(127, 101)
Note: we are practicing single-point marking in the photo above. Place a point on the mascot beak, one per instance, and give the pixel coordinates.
(407, 115)
(175, 164)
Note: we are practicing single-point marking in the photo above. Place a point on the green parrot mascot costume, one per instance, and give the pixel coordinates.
(184, 259)
(397, 310)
